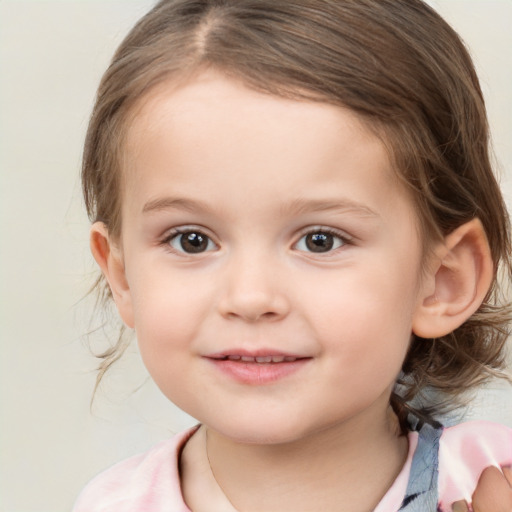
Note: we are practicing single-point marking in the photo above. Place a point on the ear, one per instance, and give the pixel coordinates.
(457, 282)
(108, 255)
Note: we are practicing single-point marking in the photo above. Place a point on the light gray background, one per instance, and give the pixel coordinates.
(52, 54)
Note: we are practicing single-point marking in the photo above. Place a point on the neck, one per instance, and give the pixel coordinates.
(318, 472)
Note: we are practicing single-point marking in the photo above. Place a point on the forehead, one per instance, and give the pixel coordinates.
(212, 99)
(215, 134)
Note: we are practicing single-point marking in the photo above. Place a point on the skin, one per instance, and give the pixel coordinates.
(256, 177)
(493, 493)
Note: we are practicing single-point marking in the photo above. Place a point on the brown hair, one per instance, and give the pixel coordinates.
(396, 63)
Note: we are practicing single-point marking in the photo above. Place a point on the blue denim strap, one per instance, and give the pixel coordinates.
(422, 492)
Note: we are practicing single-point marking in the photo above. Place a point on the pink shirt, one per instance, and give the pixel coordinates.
(150, 481)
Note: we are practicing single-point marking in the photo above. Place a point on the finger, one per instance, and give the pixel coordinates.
(493, 492)
(507, 471)
(460, 506)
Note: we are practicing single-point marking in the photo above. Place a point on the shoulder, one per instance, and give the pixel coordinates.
(474, 439)
(149, 481)
(475, 444)
(465, 450)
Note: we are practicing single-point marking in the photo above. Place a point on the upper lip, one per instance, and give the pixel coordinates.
(260, 355)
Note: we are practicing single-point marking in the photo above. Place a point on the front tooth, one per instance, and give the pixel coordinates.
(234, 358)
(248, 359)
(264, 359)
(277, 359)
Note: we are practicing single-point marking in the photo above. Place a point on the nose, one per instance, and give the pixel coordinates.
(253, 291)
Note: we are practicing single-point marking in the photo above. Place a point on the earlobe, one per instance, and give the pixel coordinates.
(109, 258)
(457, 285)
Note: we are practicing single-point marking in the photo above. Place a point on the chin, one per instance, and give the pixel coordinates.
(264, 430)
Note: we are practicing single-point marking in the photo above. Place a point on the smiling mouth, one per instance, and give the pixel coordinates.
(258, 369)
(258, 359)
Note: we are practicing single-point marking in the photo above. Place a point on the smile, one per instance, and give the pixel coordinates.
(259, 359)
(258, 369)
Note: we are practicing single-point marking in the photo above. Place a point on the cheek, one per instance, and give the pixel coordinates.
(166, 323)
(360, 298)
(366, 318)
(168, 310)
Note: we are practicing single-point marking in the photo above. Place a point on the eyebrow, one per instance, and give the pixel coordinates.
(173, 203)
(295, 207)
(341, 205)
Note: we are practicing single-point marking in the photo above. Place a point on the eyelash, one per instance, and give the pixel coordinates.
(177, 232)
(343, 239)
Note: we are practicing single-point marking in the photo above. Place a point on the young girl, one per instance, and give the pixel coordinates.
(294, 209)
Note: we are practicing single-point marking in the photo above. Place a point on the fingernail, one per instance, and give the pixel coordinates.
(460, 506)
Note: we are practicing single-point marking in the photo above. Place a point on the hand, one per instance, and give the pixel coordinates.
(493, 493)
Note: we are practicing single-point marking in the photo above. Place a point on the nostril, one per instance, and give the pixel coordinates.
(253, 316)
(252, 303)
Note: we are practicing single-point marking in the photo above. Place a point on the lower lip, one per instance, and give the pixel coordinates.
(259, 373)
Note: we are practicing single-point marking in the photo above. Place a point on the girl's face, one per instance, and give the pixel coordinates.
(271, 260)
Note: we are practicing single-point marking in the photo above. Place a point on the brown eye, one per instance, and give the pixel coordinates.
(191, 242)
(320, 242)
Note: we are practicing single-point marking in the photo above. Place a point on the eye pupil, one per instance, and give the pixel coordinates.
(193, 242)
(319, 242)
